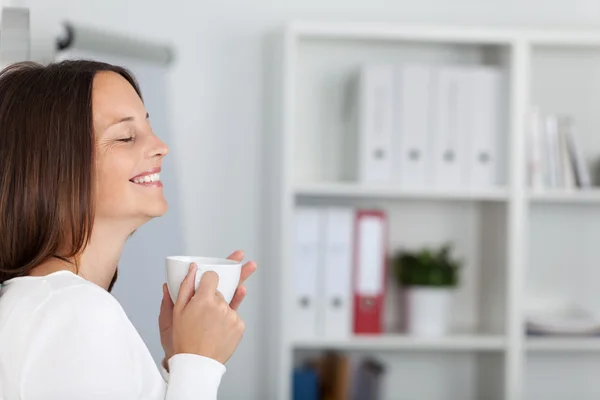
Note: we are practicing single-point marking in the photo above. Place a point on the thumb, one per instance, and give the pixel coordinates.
(187, 289)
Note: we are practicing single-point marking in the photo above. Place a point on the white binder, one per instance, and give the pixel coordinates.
(484, 142)
(375, 124)
(452, 127)
(308, 224)
(337, 272)
(413, 116)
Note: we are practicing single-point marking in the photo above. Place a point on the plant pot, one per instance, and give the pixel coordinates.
(427, 311)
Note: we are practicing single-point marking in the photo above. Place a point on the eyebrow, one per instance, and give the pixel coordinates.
(127, 119)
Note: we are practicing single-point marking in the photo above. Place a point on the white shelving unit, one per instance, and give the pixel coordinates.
(516, 242)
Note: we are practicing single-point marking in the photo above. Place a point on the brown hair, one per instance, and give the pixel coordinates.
(47, 162)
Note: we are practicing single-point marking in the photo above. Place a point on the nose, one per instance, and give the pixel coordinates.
(158, 148)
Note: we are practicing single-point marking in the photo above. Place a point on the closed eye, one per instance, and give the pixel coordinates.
(126, 140)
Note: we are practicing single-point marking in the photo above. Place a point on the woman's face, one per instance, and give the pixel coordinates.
(128, 154)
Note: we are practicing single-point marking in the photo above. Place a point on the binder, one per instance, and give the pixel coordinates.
(307, 251)
(582, 173)
(484, 140)
(452, 127)
(337, 270)
(536, 160)
(567, 168)
(555, 174)
(368, 380)
(370, 266)
(335, 377)
(305, 384)
(412, 129)
(375, 124)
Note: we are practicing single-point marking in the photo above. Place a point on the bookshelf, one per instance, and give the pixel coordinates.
(516, 241)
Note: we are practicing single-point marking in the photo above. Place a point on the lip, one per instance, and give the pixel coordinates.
(149, 172)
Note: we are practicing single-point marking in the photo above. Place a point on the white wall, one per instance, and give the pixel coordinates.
(218, 90)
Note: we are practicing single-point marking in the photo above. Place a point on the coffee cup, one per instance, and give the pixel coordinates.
(229, 272)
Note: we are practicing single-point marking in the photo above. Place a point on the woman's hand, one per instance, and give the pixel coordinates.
(165, 319)
(203, 322)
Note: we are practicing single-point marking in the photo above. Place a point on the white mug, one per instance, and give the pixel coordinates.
(229, 272)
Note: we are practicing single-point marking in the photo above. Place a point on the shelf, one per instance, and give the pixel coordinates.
(444, 34)
(589, 196)
(380, 31)
(405, 343)
(357, 190)
(563, 344)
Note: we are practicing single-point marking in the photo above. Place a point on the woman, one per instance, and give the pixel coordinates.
(79, 167)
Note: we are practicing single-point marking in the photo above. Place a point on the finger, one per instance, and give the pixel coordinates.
(247, 270)
(166, 303)
(238, 297)
(186, 289)
(220, 302)
(165, 317)
(167, 300)
(208, 284)
(237, 255)
(219, 296)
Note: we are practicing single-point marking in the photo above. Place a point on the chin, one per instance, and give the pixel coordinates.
(158, 211)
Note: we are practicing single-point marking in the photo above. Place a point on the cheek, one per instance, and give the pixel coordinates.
(112, 181)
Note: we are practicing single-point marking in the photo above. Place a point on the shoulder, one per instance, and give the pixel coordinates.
(79, 341)
(41, 306)
(63, 292)
(70, 301)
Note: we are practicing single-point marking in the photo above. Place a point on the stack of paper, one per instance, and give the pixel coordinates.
(571, 320)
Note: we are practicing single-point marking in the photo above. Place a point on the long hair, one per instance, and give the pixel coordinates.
(47, 161)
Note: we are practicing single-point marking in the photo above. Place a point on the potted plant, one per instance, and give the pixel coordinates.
(428, 278)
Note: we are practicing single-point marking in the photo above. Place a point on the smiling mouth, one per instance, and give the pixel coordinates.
(146, 180)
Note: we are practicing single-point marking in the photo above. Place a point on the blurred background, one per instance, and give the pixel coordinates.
(417, 181)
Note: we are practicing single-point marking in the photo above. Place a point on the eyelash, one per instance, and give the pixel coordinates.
(127, 140)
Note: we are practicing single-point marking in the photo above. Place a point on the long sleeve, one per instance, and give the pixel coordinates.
(83, 346)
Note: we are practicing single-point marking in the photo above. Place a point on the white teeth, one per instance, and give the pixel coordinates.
(147, 179)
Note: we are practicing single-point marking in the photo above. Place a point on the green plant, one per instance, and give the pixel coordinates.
(427, 267)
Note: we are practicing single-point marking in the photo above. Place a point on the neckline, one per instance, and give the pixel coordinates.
(37, 277)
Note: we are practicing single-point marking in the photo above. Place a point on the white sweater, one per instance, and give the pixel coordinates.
(65, 338)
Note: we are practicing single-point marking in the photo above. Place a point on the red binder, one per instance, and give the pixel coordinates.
(370, 268)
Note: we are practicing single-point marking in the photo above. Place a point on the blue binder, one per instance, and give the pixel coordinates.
(305, 384)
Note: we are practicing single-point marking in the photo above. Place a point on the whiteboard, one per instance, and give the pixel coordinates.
(141, 268)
